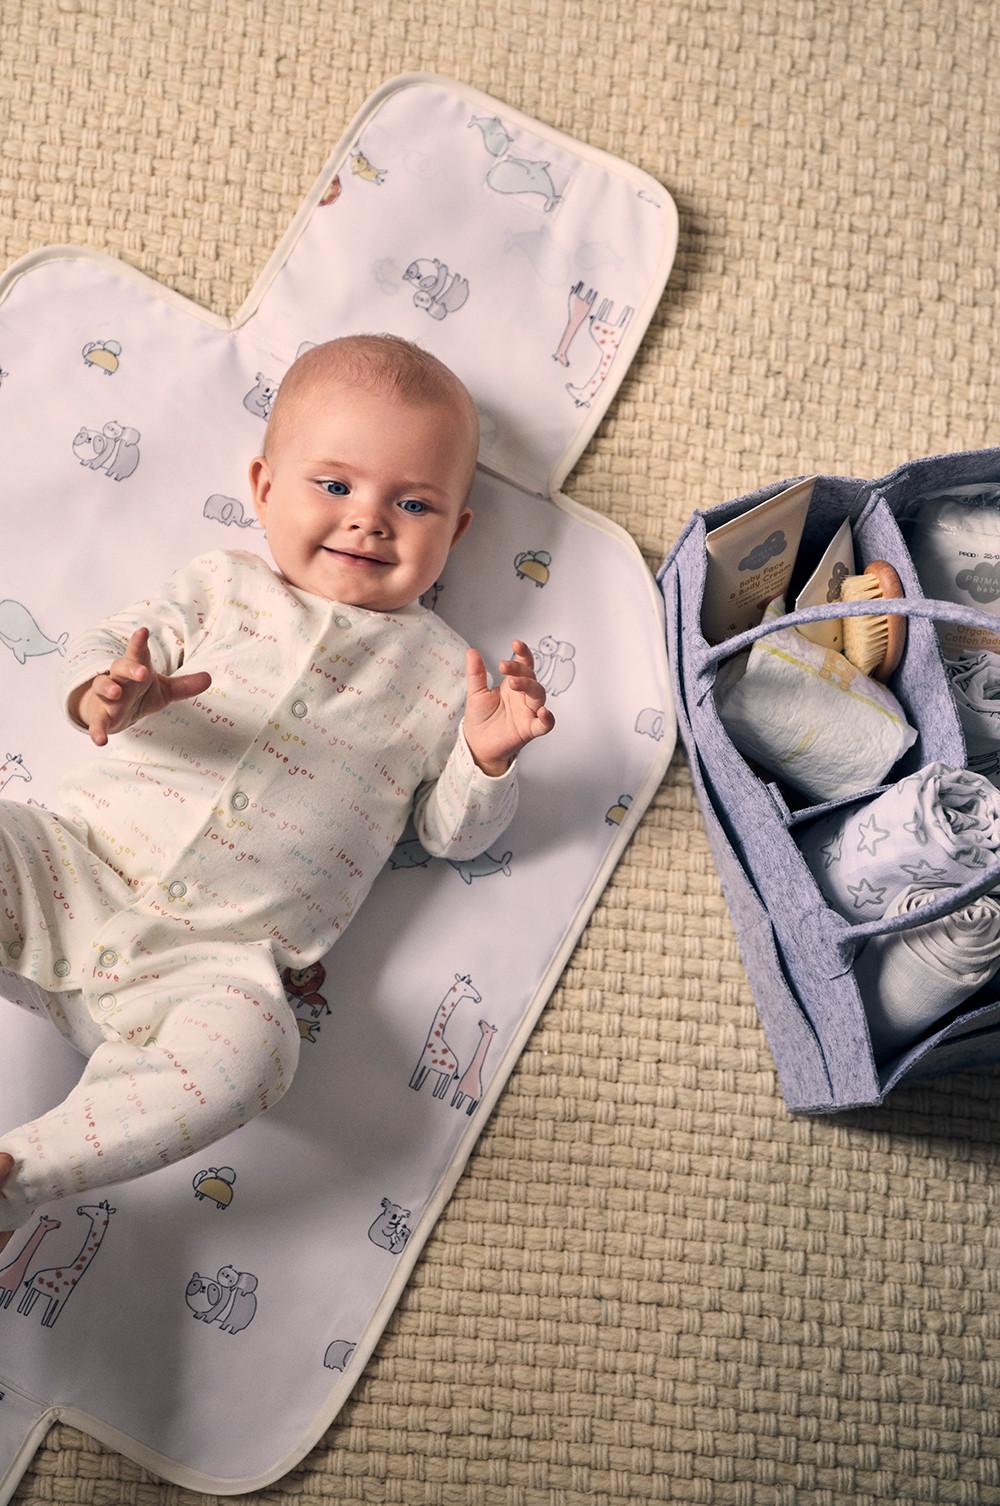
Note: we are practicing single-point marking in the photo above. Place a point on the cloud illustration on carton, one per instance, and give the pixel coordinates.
(773, 545)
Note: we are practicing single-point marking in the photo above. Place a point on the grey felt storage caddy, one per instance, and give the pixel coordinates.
(799, 953)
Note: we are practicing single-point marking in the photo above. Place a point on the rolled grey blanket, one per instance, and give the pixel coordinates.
(909, 979)
(937, 826)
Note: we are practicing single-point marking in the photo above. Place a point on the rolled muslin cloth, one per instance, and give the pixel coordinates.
(975, 684)
(937, 826)
(909, 979)
(808, 715)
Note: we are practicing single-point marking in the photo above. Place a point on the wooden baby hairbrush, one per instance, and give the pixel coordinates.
(873, 644)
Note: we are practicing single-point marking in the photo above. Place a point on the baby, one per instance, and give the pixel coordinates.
(247, 804)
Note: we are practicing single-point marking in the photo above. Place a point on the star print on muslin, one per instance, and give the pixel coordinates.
(827, 849)
(916, 830)
(871, 834)
(921, 871)
(864, 894)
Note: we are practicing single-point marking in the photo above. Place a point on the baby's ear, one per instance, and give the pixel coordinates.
(260, 484)
(464, 519)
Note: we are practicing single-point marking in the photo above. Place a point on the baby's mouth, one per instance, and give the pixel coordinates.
(354, 557)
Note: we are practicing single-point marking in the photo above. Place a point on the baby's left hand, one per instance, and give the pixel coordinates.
(499, 721)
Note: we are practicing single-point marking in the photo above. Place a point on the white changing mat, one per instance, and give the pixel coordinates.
(531, 264)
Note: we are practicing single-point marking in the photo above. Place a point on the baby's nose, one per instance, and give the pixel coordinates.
(371, 517)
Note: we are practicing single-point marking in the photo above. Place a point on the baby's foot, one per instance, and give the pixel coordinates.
(6, 1167)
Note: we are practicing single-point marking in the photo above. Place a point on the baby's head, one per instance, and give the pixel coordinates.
(368, 459)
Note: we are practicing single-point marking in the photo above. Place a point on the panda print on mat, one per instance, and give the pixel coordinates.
(115, 449)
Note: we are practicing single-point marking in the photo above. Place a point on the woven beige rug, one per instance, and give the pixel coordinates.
(652, 1284)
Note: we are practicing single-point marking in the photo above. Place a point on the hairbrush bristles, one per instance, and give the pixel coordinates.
(873, 644)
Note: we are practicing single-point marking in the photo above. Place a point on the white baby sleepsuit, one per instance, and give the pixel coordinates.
(215, 842)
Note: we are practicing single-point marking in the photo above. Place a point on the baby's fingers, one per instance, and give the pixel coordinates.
(98, 722)
(183, 687)
(527, 686)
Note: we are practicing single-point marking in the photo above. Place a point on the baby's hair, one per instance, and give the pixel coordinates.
(382, 363)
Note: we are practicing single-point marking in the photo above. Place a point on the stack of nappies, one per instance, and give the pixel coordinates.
(808, 715)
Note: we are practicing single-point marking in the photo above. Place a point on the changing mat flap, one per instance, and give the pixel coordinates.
(129, 416)
(537, 262)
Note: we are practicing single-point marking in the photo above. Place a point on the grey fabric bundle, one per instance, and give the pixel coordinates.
(909, 979)
(937, 826)
(975, 684)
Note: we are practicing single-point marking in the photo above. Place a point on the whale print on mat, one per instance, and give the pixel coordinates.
(481, 867)
(496, 138)
(115, 449)
(510, 174)
(408, 853)
(516, 175)
(22, 635)
(228, 1300)
(57, 1283)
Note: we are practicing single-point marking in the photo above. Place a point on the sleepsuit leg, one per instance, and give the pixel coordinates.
(192, 1050)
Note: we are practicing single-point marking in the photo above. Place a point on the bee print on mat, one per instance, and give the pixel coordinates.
(102, 354)
(533, 564)
(217, 1183)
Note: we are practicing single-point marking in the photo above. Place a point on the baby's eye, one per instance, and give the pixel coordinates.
(344, 488)
(412, 504)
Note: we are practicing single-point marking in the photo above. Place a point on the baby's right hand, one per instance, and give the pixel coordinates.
(131, 688)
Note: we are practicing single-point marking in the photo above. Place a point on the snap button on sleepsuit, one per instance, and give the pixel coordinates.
(61, 968)
(176, 889)
(240, 801)
(108, 958)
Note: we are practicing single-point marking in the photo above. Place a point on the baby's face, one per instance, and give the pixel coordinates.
(365, 496)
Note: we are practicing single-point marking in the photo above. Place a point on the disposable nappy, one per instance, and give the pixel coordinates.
(805, 713)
